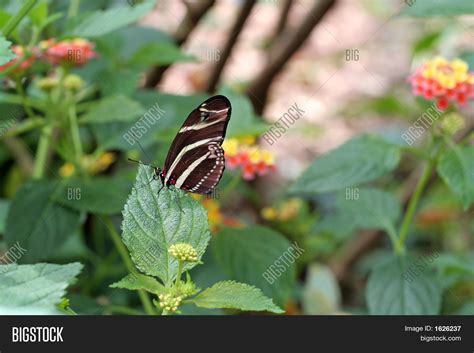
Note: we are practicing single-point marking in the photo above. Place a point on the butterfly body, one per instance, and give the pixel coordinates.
(195, 161)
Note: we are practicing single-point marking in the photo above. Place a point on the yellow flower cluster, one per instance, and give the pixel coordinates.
(283, 212)
(92, 165)
(233, 147)
(447, 73)
(169, 302)
(183, 252)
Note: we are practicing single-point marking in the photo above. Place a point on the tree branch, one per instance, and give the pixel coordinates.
(241, 18)
(281, 24)
(284, 49)
(191, 19)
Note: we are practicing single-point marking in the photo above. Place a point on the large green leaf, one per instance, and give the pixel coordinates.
(35, 286)
(357, 161)
(456, 168)
(233, 295)
(136, 281)
(159, 54)
(104, 195)
(153, 221)
(428, 8)
(370, 209)
(395, 289)
(37, 223)
(98, 23)
(252, 254)
(6, 55)
(113, 108)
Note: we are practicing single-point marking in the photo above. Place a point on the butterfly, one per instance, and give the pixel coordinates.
(195, 160)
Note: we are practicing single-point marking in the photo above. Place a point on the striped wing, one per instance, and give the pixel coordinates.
(195, 161)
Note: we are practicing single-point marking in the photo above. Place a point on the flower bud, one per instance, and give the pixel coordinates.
(183, 252)
(169, 302)
(73, 82)
(452, 123)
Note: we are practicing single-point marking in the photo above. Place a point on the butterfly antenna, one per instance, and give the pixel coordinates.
(143, 150)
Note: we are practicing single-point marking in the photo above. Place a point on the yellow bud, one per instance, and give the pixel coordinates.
(47, 83)
(73, 82)
(67, 170)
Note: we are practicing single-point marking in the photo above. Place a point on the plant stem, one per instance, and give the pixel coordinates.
(73, 8)
(42, 151)
(146, 302)
(178, 276)
(75, 134)
(413, 203)
(15, 20)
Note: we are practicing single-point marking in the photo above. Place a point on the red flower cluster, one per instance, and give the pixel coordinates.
(444, 82)
(26, 62)
(73, 52)
(76, 51)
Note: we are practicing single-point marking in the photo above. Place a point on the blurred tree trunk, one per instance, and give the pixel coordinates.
(193, 15)
(284, 49)
(240, 20)
(282, 20)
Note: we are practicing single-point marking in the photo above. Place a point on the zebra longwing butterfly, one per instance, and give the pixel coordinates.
(195, 160)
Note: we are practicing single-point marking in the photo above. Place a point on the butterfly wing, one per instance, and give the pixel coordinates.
(195, 161)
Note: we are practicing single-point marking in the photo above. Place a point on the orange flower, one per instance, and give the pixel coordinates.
(20, 56)
(76, 51)
(443, 81)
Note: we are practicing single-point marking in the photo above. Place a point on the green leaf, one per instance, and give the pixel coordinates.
(6, 55)
(362, 159)
(111, 109)
(370, 208)
(98, 23)
(136, 281)
(103, 195)
(153, 221)
(37, 223)
(428, 8)
(35, 286)
(160, 54)
(234, 295)
(321, 292)
(427, 42)
(394, 289)
(255, 253)
(456, 168)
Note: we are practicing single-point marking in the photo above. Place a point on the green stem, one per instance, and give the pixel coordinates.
(15, 20)
(146, 302)
(24, 98)
(412, 205)
(75, 134)
(24, 126)
(42, 152)
(73, 8)
(178, 276)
